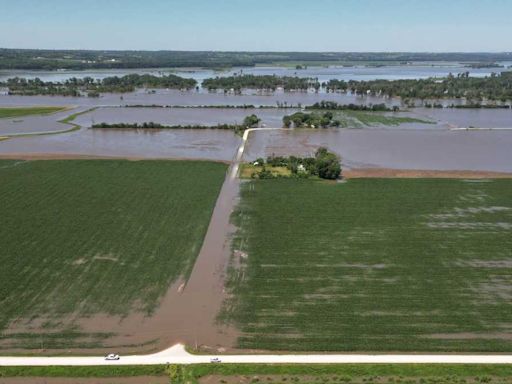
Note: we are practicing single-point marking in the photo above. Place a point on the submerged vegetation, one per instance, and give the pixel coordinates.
(92, 88)
(152, 125)
(497, 87)
(249, 122)
(265, 82)
(373, 265)
(27, 111)
(345, 118)
(334, 106)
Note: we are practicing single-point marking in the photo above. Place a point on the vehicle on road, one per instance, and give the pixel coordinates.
(215, 360)
(112, 356)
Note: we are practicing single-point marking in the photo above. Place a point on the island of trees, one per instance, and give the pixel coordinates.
(92, 88)
(334, 106)
(264, 82)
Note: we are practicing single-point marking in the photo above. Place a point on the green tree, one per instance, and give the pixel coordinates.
(251, 121)
(327, 164)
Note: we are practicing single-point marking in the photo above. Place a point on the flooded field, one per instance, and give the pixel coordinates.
(195, 98)
(323, 73)
(148, 144)
(182, 116)
(36, 124)
(478, 118)
(394, 148)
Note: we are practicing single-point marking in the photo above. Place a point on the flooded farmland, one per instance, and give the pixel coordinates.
(182, 116)
(387, 148)
(206, 144)
(409, 146)
(418, 70)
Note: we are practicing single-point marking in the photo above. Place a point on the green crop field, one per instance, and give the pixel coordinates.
(377, 118)
(278, 373)
(80, 238)
(359, 119)
(26, 111)
(373, 265)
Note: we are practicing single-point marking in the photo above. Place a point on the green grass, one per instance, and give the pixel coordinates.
(378, 118)
(80, 238)
(246, 170)
(374, 265)
(281, 373)
(27, 111)
(92, 371)
(349, 373)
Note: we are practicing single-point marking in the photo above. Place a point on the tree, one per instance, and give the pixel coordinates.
(251, 121)
(327, 164)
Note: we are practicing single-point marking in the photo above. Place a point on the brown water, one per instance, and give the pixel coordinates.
(214, 144)
(394, 148)
(480, 118)
(182, 116)
(35, 124)
(194, 98)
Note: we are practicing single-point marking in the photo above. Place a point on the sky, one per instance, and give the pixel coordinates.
(259, 25)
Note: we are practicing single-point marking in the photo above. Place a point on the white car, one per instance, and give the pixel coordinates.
(112, 356)
(215, 360)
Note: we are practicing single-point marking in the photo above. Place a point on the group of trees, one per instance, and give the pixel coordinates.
(325, 165)
(152, 125)
(494, 87)
(311, 120)
(249, 121)
(497, 87)
(92, 87)
(332, 105)
(264, 82)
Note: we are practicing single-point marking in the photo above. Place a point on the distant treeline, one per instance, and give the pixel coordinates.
(332, 105)
(265, 82)
(468, 106)
(494, 87)
(220, 106)
(152, 125)
(92, 88)
(85, 59)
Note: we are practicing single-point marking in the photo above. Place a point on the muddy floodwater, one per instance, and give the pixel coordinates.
(388, 148)
(36, 123)
(478, 118)
(196, 98)
(182, 116)
(171, 144)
